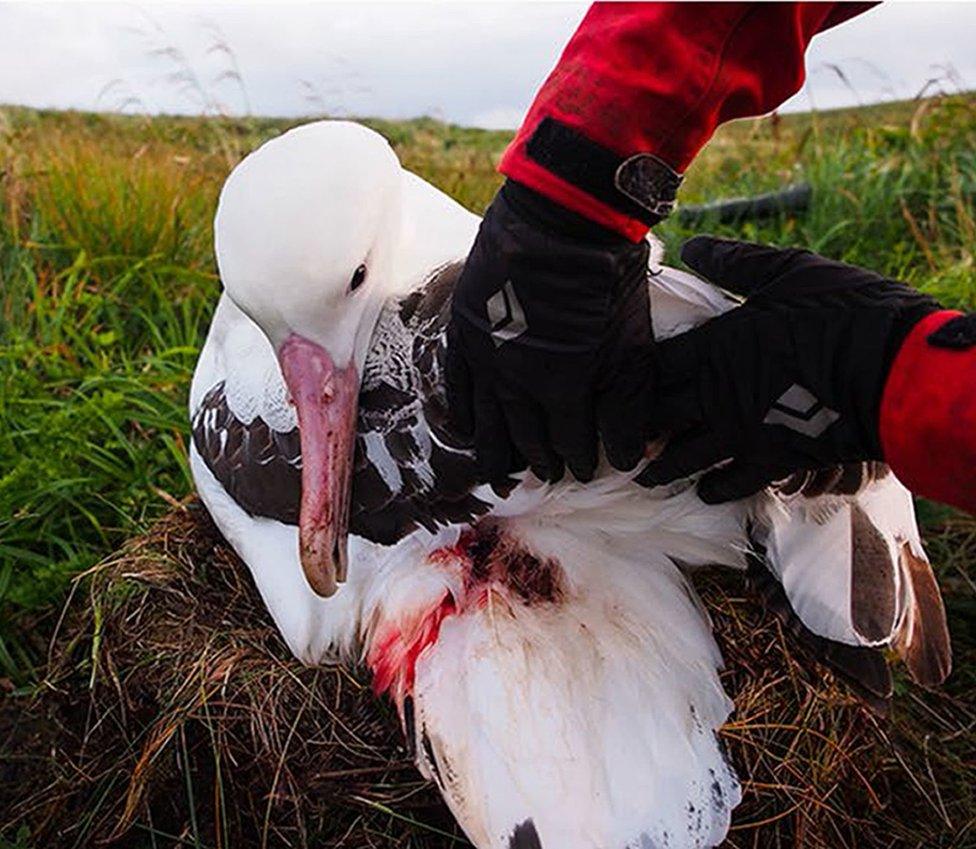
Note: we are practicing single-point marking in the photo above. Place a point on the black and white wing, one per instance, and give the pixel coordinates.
(848, 574)
(258, 466)
(410, 470)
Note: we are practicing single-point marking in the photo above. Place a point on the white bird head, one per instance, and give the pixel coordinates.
(305, 232)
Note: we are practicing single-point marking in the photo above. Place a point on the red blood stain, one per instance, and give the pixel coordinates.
(393, 656)
(490, 561)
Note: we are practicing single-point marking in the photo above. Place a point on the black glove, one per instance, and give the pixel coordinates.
(791, 379)
(547, 305)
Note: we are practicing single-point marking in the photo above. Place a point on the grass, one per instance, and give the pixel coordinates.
(107, 283)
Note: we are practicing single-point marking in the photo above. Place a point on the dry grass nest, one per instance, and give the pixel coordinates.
(171, 714)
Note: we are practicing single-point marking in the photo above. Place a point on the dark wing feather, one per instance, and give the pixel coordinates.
(924, 639)
(411, 470)
(846, 479)
(864, 669)
(261, 468)
(874, 587)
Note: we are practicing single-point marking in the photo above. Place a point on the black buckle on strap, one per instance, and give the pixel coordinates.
(640, 186)
(957, 333)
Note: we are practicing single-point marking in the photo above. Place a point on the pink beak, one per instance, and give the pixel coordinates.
(325, 398)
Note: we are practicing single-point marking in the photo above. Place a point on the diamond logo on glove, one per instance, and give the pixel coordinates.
(505, 314)
(798, 409)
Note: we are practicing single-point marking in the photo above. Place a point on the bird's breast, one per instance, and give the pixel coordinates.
(487, 568)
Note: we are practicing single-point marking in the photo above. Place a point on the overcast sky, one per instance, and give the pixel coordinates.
(473, 63)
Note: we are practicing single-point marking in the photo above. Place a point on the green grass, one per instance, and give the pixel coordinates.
(107, 283)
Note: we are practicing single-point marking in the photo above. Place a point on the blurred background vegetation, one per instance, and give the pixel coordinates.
(107, 283)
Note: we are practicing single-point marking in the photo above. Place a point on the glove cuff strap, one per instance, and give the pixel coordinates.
(641, 186)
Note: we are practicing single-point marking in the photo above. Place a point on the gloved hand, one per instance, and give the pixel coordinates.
(547, 305)
(791, 379)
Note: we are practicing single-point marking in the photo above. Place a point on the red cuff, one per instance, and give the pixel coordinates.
(928, 417)
(519, 167)
(658, 78)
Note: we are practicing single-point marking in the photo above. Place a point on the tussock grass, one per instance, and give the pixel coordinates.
(107, 283)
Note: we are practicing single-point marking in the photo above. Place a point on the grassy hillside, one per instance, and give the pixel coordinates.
(107, 283)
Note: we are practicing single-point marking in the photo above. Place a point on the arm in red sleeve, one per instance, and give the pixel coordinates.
(928, 410)
(641, 87)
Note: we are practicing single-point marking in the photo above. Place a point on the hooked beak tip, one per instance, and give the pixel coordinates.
(324, 561)
(341, 559)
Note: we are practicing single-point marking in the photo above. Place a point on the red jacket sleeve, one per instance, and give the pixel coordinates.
(641, 87)
(928, 410)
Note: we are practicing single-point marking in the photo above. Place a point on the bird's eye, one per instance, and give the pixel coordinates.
(358, 278)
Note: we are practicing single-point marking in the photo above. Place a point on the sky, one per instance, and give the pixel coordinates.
(471, 63)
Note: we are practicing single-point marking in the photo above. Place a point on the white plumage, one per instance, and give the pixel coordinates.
(551, 662)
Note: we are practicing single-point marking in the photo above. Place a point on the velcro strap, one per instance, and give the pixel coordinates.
(958, 333)
(640, 186)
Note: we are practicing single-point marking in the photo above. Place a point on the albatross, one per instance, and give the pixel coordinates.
(554, 671)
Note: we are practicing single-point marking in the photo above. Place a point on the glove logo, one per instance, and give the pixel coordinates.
(798, 409)
(505, 314)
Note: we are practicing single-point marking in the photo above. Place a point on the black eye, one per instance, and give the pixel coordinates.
(358, 278)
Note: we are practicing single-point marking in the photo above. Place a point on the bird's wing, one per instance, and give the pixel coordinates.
(259, 467)
(411, 471)
(844, 546)
(552, 713)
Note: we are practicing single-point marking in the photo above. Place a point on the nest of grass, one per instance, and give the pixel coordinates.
(172, 714)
